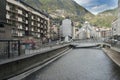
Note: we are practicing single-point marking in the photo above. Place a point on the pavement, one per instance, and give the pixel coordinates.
(29, 53)
(115, 49)
(114, 54)
(41, 49)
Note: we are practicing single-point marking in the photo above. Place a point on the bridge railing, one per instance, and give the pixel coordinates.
(113, 43)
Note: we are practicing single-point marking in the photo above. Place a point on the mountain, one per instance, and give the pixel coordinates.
(60, 8)
(103, 19)
(111, 11)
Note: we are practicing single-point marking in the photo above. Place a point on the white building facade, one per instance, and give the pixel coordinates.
(66, 29)
(115, 28)
(87, 31)
(75, 32)
(116, 23)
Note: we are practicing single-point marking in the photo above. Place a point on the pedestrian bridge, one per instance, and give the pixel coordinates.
(78, 46)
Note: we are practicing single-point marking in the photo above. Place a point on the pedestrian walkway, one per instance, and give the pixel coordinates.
(116, 49)
(113, 54)
(32, 52)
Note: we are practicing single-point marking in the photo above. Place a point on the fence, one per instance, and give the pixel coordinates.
(9, 48)
(42, 47)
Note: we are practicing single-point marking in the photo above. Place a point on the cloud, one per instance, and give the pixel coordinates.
(96, 6)
(100, 8)
(83, 2)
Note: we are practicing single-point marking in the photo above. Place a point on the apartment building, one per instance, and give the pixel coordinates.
(66, 30)
(119, 8)
(116, 23)
(22, 20)
(54, 32)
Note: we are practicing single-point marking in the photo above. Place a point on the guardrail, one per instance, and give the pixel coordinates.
(113, 44)
(41, 48)
(15, 48)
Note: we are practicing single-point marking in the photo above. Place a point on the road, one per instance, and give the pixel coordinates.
(79, 64)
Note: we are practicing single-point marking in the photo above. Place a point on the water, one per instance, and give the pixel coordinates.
(79, 64)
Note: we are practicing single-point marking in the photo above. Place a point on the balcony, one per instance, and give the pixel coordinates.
(20, 19)
(13, 10)
(13, 17)
(41, 31)
(14, 35)
(20, 12)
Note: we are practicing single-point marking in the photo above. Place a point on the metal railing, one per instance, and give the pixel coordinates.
(43, 47)
(112, 43)
(15, 48)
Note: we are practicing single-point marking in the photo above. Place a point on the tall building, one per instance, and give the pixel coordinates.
(66, 29)
(119, 8)
(87, 31)
(116, 23)
(119, 16)
(19, 20)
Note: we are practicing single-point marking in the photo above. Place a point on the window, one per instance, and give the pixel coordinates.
(38, 30)
(32, 29)
(26, 33)
(26, 28)
(38, 35)
(1, 25)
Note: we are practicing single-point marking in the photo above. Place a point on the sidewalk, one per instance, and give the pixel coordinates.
(43, 49)
(114, 54)
(116, 49)
(31, 52)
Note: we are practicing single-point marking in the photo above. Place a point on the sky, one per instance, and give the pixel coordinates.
(96, 6)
